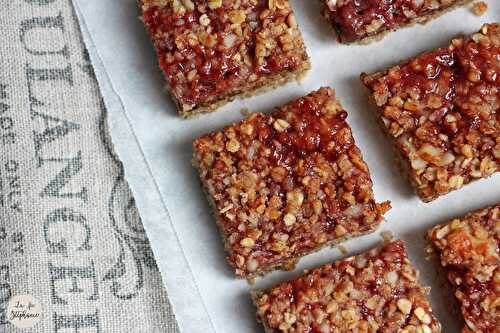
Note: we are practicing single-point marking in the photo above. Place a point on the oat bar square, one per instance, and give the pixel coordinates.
(441, 110)
(469, 251)
(286, 184)
(211, 51)
(364, 21)
(377, 291)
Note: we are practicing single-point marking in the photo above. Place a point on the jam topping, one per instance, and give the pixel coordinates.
(288, 183)
(357, 19)
(212, 49)
(442, 109)
(376, 291)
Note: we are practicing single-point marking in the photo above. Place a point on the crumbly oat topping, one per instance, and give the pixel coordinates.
(441, 108)
(354, 20)
(479, 8)
(469, 251)
(283, 185)
(377, 291)
(210, 50)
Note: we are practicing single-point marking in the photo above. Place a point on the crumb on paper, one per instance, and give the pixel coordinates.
(252, 280)
(430, 253)
(342, 249)
(290, 265)
(387, 235)
(246, 112)
(479, 8)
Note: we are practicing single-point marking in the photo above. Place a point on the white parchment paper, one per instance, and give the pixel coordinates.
(155, 147)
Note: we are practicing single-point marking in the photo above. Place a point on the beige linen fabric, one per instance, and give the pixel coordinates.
(70, 234)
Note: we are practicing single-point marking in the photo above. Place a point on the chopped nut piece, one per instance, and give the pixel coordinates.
(469, 250)
(294, 181)
(188, 4)
(343, 249)
(237, 16)
(291, 21)
(290, 318)
(280, 125)
(441, 110)
(204, 20)
(392, 277)
(247, 242)
(226, 209)
(422, 315)
(479, 8)
(233, 146)
(214, 4)
(424, 329)
(342, 298)
(290, 219)
(360, 20)
(441, 233)
(404, 305)
(387, 235)
(213, 51)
